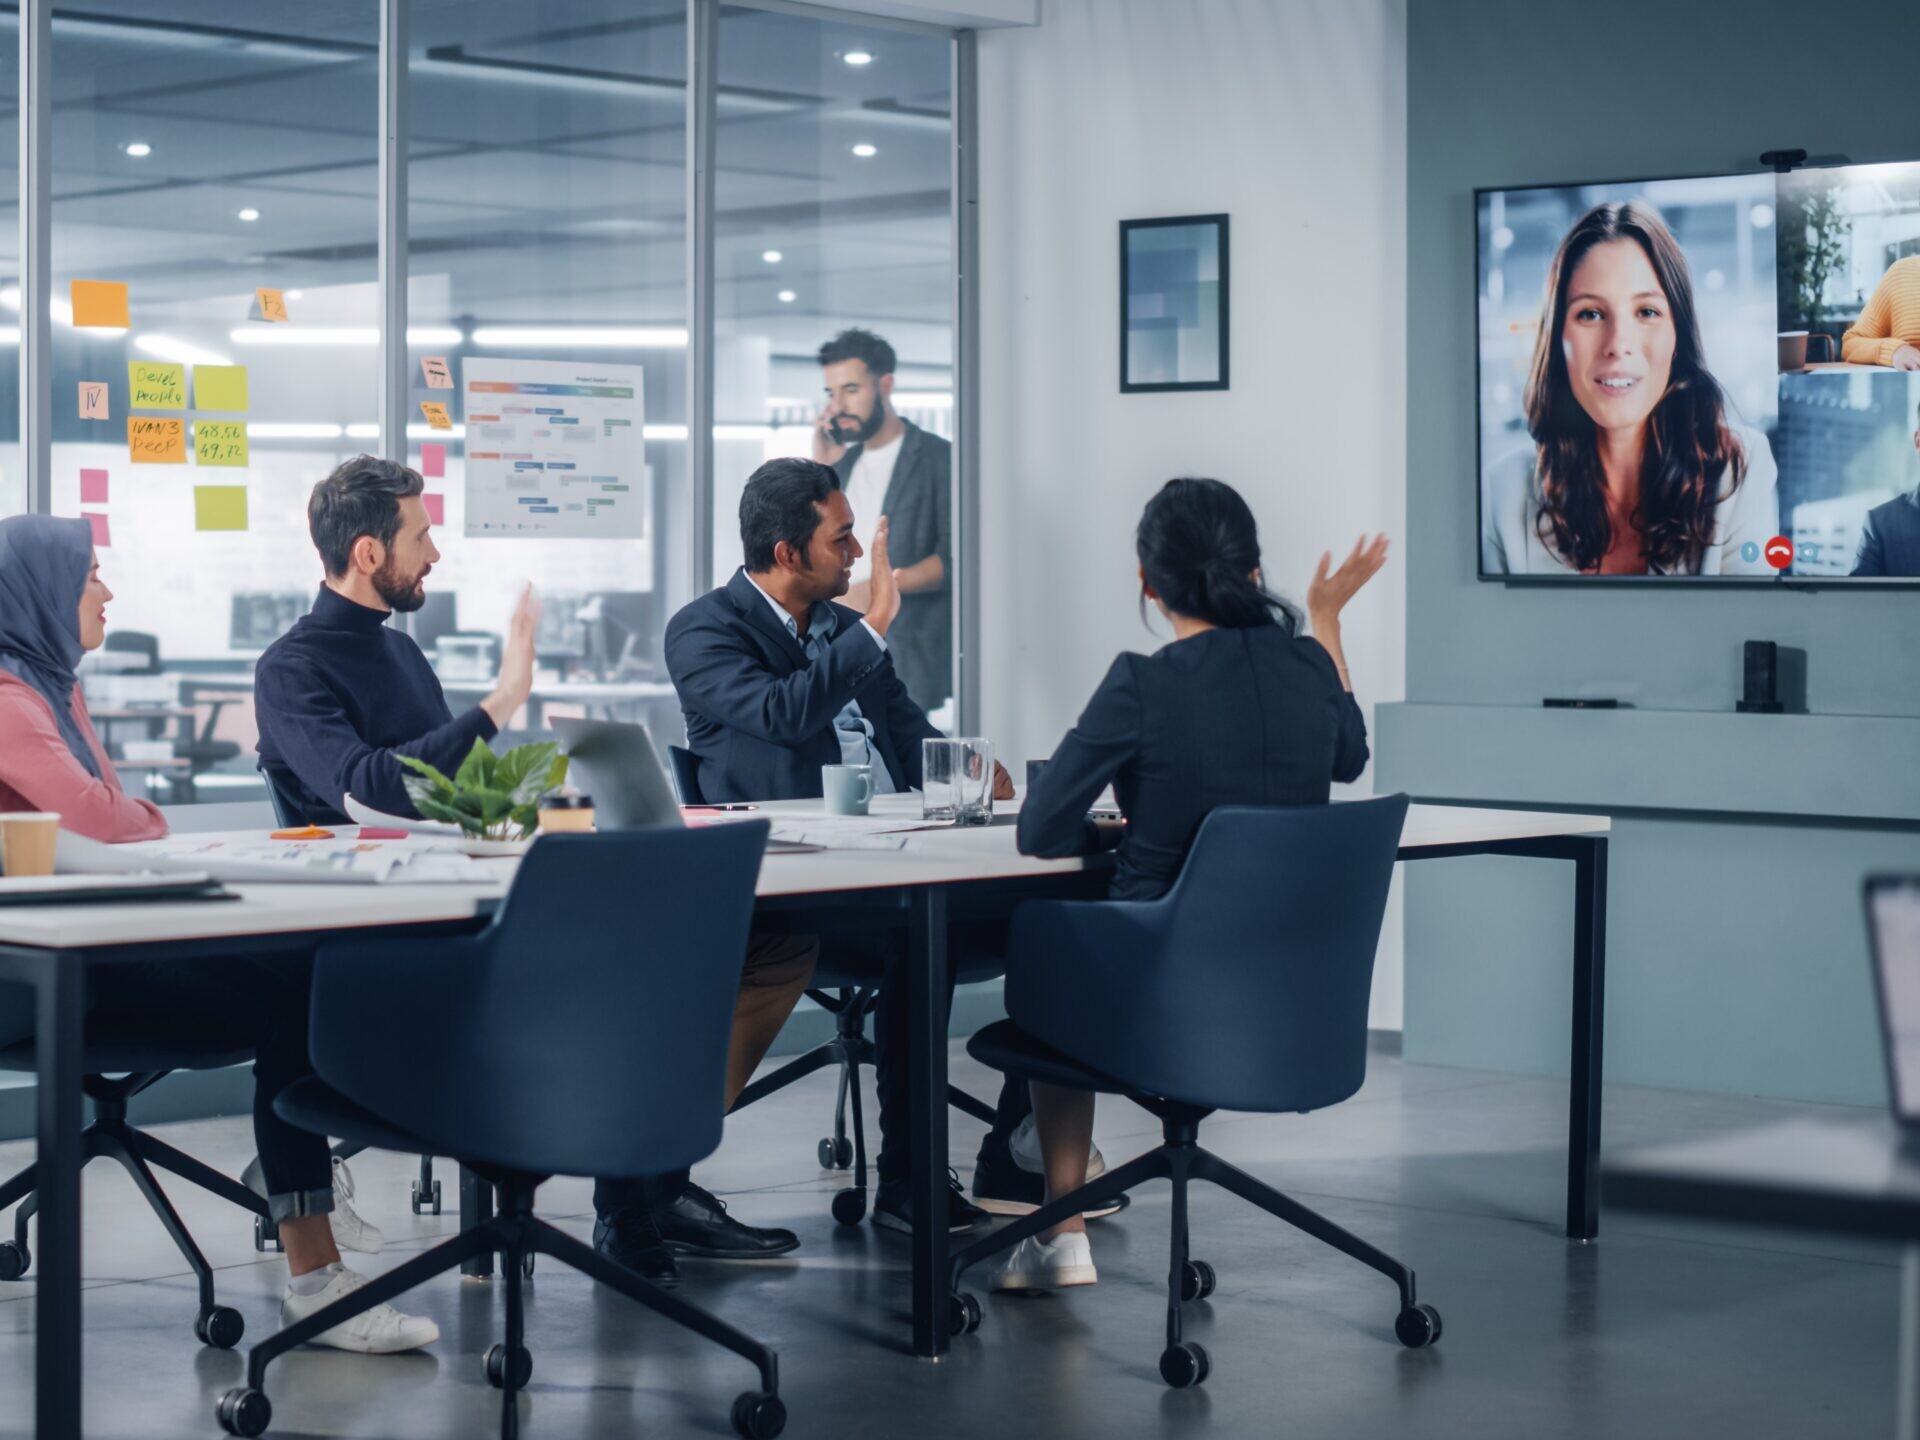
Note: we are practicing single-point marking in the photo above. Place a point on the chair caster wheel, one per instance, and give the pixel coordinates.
(266, 1234)
(425, 1202)
(1196, 1280)
(1185, 1365)
(497, 1366)
(758, 1415)
(221, 1327)
(843, 1153)
(850, 1207)
(244, 1411)
(1417, 1327)
(14, 1260)
(963, 1313)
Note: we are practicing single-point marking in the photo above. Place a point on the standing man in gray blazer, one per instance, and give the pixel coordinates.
(1890, 540)
(889, 466)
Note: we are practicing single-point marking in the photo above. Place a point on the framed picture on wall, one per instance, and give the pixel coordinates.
(1173, 303)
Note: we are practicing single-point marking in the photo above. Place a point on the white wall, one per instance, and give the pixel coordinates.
(1290, 116)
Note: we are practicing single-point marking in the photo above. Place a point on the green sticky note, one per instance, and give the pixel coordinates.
(219, 507)
(220, 442)
(157, 386)
(220, 387)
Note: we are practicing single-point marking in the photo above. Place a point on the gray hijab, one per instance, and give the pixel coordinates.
(44, 565)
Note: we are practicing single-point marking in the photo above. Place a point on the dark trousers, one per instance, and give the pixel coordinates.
(264, 1005)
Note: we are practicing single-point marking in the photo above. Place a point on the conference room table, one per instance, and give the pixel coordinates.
(53, 949)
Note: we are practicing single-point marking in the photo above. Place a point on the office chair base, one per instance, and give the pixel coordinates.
(850, 1206)
(1185, 1364)
(497, 1366)
(1417, 1326)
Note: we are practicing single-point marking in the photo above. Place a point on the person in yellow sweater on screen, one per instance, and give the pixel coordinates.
(1888, 330)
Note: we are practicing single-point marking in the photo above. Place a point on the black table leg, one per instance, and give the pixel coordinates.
(927, 1029)
(476, 1209)
(61, 994)
(1589, 1008)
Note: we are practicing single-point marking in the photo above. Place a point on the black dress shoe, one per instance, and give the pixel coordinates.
(696, 1223)
(630, 1238)
(893, 1207)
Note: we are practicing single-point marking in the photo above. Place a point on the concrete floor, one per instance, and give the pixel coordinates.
(1658, 1330)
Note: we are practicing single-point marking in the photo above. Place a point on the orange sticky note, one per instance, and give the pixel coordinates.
(101, 304)
(102, 536)
(434, 368)
(269, 305)
(93, 400)
(93, 487)
(436, 508)
(154, 441)
(436, 413)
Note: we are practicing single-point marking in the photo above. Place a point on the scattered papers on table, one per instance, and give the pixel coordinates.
(263, 861)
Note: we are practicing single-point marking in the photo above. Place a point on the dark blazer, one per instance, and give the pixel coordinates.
(919, 505)
(1225, 717)
(1890, 540)
(760, 717)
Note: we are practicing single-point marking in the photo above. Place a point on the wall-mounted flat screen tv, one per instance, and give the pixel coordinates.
(1710, 379)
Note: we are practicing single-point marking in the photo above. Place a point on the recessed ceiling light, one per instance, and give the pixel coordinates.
(857, 57)
(294, 294)
(866, 152)
(787, 297)
(249, 214)
(139, 149)
(772, 257)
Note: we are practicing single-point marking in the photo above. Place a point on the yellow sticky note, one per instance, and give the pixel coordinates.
(436, 413)
(220, 387)
(220, 442)
(93, 400)
(269, 305)
(156, 386)
(99, 303)
(219, 507)
(154, 441)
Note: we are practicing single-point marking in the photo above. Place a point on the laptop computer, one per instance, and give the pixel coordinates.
(1893, 930)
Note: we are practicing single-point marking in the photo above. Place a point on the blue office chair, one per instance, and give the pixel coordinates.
(1244, 988)
(584, 1031)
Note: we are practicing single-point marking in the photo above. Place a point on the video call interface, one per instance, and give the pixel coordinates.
(1752, 341)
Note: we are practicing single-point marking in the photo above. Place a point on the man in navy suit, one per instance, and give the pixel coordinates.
(1890, 540)
(777, 681)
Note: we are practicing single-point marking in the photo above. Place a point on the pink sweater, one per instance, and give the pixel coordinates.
(38, 771)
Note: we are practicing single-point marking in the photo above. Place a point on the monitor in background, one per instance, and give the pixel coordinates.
(260, 617)
(1893, 928)
(439, 616)
(563, 633)
(619, 632)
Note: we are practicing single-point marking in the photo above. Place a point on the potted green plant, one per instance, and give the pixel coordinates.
(491, 797)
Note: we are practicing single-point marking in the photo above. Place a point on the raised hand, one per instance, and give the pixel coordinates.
(883, 588)
(1328, 594)
(516, 661)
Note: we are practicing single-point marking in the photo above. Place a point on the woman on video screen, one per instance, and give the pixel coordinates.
(1636, 468)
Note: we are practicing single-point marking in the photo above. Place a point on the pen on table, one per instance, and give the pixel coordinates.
(720, 807)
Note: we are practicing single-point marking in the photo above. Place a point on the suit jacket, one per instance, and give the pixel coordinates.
(919, 503)
(1225, 717)
(1890, 540)
(760, 716)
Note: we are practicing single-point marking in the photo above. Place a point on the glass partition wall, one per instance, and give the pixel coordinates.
(628, 228)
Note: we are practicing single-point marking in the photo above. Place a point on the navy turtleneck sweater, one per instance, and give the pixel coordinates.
(338, 698)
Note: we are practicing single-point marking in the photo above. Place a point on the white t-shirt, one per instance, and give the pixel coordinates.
(866, 494)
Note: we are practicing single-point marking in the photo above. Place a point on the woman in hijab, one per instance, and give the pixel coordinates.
(53, 609)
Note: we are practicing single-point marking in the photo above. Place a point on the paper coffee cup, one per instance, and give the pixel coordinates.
(27, 840)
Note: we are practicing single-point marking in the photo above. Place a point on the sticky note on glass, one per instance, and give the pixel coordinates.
(93, 487)
(433, 461)
(93, 400)
(153, 441)
(436, 413)
(220, 442)
(219, 507)
(156, 386)
(269, 305)
(436, 508)
(220, 387)
(99, 304)
(102, 537)
(434, 367)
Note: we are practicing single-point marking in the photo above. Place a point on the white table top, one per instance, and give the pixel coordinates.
(933, 857)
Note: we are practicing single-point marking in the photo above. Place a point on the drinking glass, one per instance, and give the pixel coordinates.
(956, 781)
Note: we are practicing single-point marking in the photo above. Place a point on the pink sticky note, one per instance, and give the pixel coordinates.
(436, 508)
(433, 461)
(102, 538)
(93, 487)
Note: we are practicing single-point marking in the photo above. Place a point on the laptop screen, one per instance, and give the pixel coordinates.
(1893, 918)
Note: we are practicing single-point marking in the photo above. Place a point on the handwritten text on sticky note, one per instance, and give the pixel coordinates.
(220, 442)
(93, 400)
(434, 368)
(157, 386)
(436, 413)
(269, 305)
(154, 441)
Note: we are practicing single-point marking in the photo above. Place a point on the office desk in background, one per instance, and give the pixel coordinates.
(51, 948)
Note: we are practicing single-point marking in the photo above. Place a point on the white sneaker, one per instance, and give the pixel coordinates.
(1025, 1144)
(382, 1330)
(1036, 1264)
(350, 1232)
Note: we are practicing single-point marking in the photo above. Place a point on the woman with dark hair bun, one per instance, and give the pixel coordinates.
(1239, 710)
